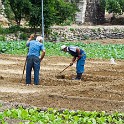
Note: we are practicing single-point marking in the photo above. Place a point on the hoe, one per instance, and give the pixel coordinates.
(63, 76)
(23, 70)
(65, 69)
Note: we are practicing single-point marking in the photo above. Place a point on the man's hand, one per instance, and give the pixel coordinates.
(79, 56)
(42, 56)
(31, 37)
(71, 63)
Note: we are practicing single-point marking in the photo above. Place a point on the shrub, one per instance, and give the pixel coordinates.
(3, 30)
(71, 29)
(14, 29)
(23, 36)
(86, 37)
(2, 38)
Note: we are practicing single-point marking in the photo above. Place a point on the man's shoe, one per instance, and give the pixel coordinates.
(76, 79)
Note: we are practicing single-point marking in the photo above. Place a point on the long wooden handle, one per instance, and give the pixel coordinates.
(23, 70)
(65, 68)
(68, 66)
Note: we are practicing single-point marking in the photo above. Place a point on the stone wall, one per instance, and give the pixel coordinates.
(78, 33)
(85, 33)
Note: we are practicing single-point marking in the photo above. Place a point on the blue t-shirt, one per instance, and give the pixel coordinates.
(35, 47)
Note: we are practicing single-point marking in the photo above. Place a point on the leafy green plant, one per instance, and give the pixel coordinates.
(94, 30)
(99, 29)
(72, 29)
(1, 104)
(54, 116)
(86, 37)
(93, 50)
(67, 22)
(3, 30)
(12, 47)
(23, 36)
(115, 6)
(14, 29)
(2, 38)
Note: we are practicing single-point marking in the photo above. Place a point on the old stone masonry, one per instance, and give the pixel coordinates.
(90, 11)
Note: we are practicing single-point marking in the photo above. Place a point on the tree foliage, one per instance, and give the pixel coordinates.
(55, 11)
(35, 19)
(19, 8)
(64, 11)
(8, 11)
(115, 6)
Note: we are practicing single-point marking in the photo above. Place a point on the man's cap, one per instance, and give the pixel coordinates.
(63, 47)
(39, 38)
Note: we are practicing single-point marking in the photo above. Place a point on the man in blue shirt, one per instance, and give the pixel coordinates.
(79, 55)
(34, 59)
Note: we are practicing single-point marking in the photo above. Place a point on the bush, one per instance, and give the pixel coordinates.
(86, 37)
(3, 30)
(2, 38)
(66, 22)
(14, 29)
(23, 36)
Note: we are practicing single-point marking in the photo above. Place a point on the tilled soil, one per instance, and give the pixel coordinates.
(101, 87)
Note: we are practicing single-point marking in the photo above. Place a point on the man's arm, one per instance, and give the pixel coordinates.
(78, 51)
(73, 60)
(42, 55)
(30, 38)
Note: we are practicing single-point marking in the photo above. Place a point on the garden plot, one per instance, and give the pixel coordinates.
(101, 87)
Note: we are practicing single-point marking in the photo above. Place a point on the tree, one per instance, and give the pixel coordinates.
(35, 18)
(115, 6)
(72, 1)
(7, 10)
(19, 8)
(55, 12)
(64, 11)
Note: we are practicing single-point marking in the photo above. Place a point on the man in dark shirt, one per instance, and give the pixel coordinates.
(79, 55)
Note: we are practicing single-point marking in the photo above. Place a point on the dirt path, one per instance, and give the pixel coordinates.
(101, 87)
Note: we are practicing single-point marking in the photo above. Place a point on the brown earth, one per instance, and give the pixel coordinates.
(101, 87)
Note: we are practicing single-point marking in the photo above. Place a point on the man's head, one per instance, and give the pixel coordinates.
(39, 38)
(64, 48)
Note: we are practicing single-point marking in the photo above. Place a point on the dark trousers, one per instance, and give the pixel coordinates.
(33, 62)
